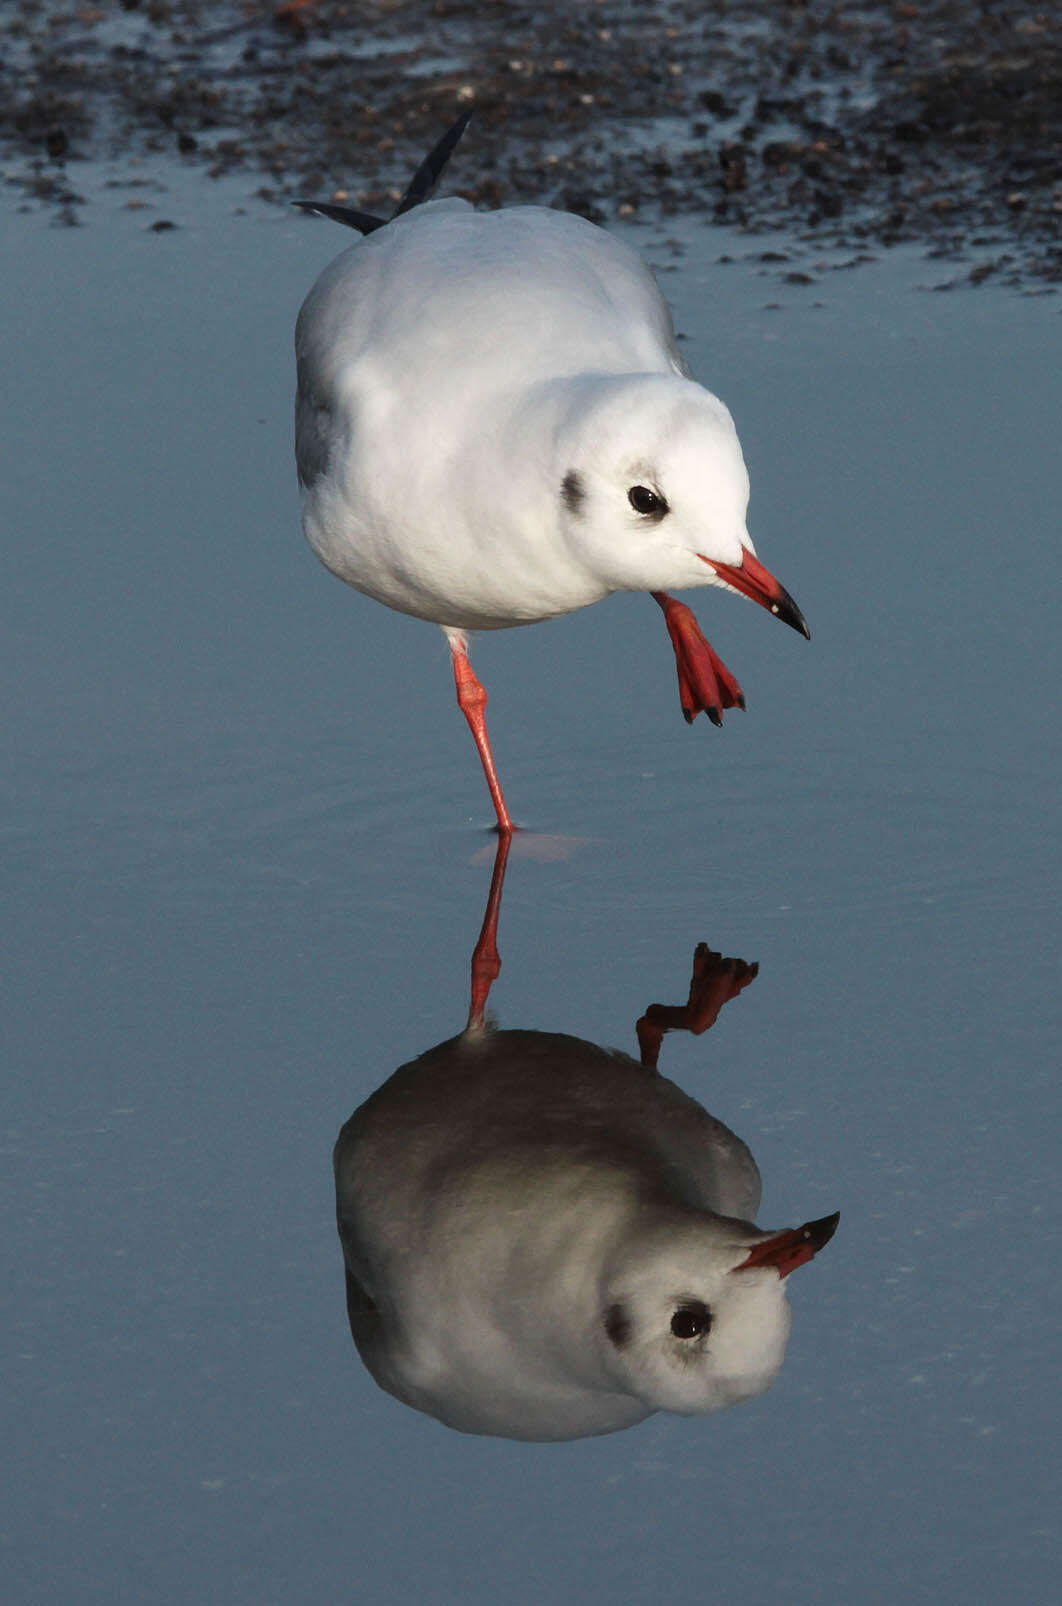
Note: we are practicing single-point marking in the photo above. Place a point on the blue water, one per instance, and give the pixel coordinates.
(244, 833)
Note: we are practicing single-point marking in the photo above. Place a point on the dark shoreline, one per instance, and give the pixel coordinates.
(939, 123)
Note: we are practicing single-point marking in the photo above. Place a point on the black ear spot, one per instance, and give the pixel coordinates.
(618, 1325)
(646, 501)
(573, 491)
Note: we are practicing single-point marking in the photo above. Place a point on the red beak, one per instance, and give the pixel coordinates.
(785, 1251)
(754, 581)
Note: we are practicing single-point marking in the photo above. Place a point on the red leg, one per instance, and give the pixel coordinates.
(472, 700)
(486, 962)
(705, 683)
(714, 983)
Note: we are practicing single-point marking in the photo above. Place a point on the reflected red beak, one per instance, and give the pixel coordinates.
(785, 1251)
(754, 581)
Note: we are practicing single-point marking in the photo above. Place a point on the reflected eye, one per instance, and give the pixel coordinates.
(690, 1321)
(643, 500)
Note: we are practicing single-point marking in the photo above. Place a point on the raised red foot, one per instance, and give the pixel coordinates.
(715, 981)
(705, 683)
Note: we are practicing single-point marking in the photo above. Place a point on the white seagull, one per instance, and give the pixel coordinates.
(547, 1240)
(494, 426)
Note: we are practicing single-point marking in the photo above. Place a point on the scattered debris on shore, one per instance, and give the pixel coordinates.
(854, 128)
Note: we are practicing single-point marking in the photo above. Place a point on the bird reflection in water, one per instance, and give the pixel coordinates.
(546, 1240)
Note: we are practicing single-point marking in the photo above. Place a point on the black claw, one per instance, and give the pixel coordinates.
(715, 716)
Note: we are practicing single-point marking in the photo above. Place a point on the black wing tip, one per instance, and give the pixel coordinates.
(423, 183)
(364, 222)
(421, 187)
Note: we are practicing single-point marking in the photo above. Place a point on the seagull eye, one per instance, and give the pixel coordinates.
(690, 1321)
(643, 500)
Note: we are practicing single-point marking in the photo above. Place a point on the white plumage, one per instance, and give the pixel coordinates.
(454, 369)
(494, 426)
(545, 1240)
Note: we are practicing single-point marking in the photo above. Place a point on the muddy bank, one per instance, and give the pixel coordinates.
(939, 122)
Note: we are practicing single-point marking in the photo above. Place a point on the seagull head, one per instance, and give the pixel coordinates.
(694, 1316)
(653, 491)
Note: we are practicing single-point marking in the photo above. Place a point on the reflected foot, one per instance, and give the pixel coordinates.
(705, 683)
(715, 981)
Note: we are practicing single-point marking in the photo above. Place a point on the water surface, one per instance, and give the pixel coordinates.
(244, 828)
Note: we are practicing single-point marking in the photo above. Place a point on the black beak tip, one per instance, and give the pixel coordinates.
(820, 1232)
(787, 611)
